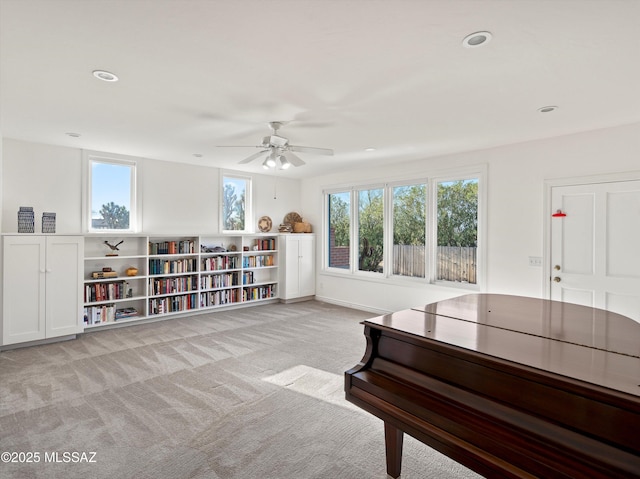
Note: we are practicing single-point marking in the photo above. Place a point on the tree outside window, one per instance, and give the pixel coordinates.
(339, 230)
(457, 231)
(235, 192)
(371, 230)
(112, 195)
(409, 230)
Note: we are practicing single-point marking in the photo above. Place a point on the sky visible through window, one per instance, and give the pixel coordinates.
(109, 183)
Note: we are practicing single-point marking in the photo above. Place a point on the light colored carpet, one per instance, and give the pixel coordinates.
(250, 393)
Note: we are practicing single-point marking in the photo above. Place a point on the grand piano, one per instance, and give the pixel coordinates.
(509, 386)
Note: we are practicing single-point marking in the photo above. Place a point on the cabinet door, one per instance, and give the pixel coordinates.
(291, 270)
(306, 266)
(63, 292)
(23, 285)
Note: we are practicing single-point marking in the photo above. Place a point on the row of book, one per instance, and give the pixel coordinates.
(266, 244)
(216, 298)
(248, 277)
(172, 304)
(107, 313)
(163, 266)
(259, 292)
(216, 263)
(173, 247)
(173, 285)
(224, 280)
(258, 261)
(96, 292)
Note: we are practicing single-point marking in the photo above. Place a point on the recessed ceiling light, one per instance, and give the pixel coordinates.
(369, 149)
(547, 109)
(73, 135)
(105, 75)
(477, 39)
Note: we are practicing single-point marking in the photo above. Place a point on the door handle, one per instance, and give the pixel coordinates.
(557, 279)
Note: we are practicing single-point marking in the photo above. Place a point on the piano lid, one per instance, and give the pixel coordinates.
(530, 332)
(565, 322)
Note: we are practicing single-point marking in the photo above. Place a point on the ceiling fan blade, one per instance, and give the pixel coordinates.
(239, 146)
(253, 157)
(293, 159)
(311, 149)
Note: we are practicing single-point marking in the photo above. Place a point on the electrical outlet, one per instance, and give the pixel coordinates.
(535, 261)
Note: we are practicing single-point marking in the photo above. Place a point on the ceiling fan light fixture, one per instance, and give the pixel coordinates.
(284, 163)
(265, 164)
(270, 161)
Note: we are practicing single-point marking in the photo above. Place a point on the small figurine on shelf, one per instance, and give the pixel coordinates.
(114, 248)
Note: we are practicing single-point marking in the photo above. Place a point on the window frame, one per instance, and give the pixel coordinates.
(327, 217)
(248, 200)
(431, 182)
(355, 230)
(135, 205)
(432, 230)
(389, 220)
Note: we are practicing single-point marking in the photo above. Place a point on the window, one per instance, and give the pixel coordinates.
(425, 229)
(371, 230)
(409, 230)
(112, 195)
(236, 202)
(457, 231)
(339, 208)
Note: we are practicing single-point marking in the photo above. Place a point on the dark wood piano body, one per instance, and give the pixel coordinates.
(508, 386)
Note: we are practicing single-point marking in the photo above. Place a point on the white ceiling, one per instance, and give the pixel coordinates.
(346, 74)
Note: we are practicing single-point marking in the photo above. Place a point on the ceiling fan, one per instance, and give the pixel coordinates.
(278, 150)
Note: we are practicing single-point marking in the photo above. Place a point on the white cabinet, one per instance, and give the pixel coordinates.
(41, 287)
(297, 266)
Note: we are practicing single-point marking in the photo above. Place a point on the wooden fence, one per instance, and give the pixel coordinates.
(408, 260)
(457, 263)
(454, 263)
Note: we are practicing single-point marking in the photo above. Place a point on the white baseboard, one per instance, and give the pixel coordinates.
(347, 304)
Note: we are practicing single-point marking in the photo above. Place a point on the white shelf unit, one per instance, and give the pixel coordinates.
(177, 275)
(121, 297)
(259, 267)
(173, 275)
(220, 271)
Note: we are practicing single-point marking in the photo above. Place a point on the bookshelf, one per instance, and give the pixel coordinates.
(259, 268)
(175, 275)
(113, 295)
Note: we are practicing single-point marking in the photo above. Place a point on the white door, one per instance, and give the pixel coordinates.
(292, 271)
(595, 248)
(307, 277)
(23, 308)
(63, 289)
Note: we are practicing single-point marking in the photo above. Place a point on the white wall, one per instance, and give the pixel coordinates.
(49, 179)
(516, 186)
(176, 198)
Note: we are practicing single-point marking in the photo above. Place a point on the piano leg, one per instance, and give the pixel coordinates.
(393, 446)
